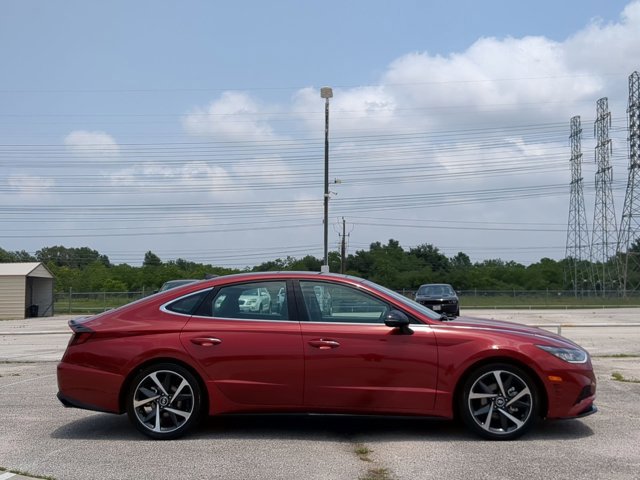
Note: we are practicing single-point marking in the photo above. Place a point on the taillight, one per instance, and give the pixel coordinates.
(79, 338)
(81, 332)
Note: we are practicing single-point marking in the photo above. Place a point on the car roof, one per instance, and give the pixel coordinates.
(281, 273)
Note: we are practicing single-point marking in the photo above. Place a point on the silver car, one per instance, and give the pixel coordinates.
(255, 300)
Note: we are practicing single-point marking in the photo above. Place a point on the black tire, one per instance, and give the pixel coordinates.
(164, 401)
(499, 402)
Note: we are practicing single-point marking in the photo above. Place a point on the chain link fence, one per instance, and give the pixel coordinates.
(96, 302)
(93, 302)
(476, 298)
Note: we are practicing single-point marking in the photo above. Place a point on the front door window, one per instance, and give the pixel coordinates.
(326, 302)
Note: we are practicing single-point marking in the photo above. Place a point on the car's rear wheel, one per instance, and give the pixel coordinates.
(499, 402)
(164, 401)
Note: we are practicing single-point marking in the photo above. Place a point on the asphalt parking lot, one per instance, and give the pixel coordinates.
(40, 437)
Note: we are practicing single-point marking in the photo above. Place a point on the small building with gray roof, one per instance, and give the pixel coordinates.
(26, 290)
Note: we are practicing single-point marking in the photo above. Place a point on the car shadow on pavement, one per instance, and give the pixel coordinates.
(561, 430)
(328, 426)
(102, 426)
(316, 427)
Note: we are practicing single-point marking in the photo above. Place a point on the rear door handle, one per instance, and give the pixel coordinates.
(206, 341)
(324, 344)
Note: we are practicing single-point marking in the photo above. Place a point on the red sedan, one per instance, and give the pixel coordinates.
(171, 358)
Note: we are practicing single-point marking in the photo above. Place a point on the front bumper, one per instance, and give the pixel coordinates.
(573, 397)
(589, 411)
(438, 307)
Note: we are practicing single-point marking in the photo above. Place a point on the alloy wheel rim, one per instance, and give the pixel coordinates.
(500, 402)
(163, 401)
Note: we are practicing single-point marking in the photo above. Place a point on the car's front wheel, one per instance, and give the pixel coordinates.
(499, 402)
(164, 401)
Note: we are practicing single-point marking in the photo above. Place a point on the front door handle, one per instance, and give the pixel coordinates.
(206, 341)
(324, 344)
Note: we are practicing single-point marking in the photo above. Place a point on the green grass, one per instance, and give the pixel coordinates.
(618, 377)
(363, 452)
(377, 474)
(372, 473)
(96, 304)
(523, 301)
(617, 355)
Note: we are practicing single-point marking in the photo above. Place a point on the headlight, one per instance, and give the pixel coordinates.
(571, 355)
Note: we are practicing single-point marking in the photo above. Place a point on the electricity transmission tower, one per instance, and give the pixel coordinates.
(603, 240)
(577, 251)
(630, 223)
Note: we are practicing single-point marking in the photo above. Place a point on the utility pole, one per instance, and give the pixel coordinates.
(343, 248)
(343, 244)
(326, 93)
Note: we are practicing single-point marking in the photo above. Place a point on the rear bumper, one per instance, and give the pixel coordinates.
(72, 403)
(88, 388)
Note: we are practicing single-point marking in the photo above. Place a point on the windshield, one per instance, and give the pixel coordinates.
(434, 290)
(427, 312)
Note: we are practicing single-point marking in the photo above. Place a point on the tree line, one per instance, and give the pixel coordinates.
(86, 270)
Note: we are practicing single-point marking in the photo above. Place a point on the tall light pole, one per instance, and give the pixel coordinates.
(326, 93)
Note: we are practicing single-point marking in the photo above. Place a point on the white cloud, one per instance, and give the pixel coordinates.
(194, 177)
(492, 80)
(494, 83)
(92, 144)
(371, 107)
(234, 116)
(607, 49)
(29, 184)
(237, 117)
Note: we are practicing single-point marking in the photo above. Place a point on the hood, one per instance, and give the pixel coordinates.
(509, 327)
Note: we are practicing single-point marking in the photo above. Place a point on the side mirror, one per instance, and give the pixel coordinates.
(397, 319)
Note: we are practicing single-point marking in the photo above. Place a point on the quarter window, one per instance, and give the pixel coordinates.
(188, 305)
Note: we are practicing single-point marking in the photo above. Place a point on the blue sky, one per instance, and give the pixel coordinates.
(133, 106)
